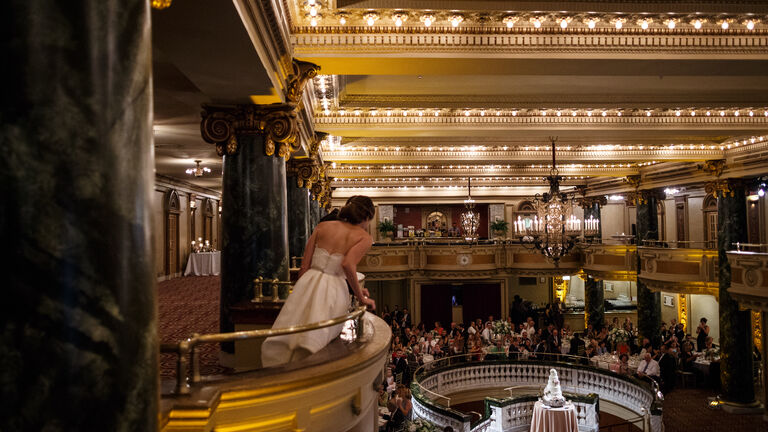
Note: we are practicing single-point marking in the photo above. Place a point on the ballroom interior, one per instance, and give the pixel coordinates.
(167, 161)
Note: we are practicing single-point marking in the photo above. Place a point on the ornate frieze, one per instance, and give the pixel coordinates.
(278, 123)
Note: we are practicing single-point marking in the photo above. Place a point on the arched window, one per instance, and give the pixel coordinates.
(709, 208)
(172, 210)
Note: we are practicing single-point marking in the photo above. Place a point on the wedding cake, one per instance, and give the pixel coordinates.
(553, 394)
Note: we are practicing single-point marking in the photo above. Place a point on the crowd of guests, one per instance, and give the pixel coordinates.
(530, 334)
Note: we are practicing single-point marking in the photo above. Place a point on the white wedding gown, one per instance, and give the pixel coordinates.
(320, 294)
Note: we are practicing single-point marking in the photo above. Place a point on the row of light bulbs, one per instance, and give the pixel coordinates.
(399, 17)
(594, 148)
(432, 179)
(491, 167)
(544, 112)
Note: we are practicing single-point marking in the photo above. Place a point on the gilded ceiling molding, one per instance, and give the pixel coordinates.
(713, 167)
(723, 187)
(278, 123)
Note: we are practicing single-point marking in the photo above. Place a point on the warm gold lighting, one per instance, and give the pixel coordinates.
(161, 4)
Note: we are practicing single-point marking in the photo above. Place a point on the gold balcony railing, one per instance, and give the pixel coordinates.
(186, 350)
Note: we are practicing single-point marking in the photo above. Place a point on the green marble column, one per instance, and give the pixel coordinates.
(648, 302)
(254, 224)
(298, 218)
(314, 213)
(78, 316)
(735, 326)
(594, 302)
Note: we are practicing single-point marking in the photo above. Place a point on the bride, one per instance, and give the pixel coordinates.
(329, 264)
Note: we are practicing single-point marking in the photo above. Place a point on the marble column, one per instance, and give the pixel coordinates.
(648, 302)
(78, 318)
(735, 325)
(594, 302)
(314, 213)
(298, 218)
(254, 224)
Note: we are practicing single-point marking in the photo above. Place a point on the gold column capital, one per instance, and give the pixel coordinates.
(724, 187)
(589, 202)
(306, 171)
(633, 180)
(713, 167)
(278, 123)
(302, 72)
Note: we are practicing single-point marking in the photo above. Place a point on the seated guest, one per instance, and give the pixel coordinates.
(590, 351)
(383, 396)
(687, 357)
(624, 365)
(649, 367)
(667, 366)
(710, 347)
(664, 333)
(601, 348)
(577, 345)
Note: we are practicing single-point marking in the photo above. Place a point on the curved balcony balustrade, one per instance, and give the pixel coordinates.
(334, 389)
(679, 267)
(589, 388)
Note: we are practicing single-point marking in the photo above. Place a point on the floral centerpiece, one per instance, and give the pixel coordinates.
(618, 336)
(421, 425)
(502, 328)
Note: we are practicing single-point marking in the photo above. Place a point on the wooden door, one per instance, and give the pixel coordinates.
(711, 219)
(753, 222)
(680, 222)
(172, 244)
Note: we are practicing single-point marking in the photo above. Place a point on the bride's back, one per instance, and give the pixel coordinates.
(337, 237)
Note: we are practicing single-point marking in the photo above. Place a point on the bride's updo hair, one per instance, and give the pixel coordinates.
(359, 208)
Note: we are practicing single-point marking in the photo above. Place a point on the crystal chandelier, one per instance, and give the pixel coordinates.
(198, 171)
(554, 230)
(470, 218)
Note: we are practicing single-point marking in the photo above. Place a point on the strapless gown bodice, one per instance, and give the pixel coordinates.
(327, 263)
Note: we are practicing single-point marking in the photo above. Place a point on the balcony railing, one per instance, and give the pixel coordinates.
(458, 374)
(749, 276)
(679, 267)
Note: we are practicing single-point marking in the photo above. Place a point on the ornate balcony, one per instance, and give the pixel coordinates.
(435, 385)
(459, 260)
(330, 390)
(611, 261)
(749, 279)
(676, 267)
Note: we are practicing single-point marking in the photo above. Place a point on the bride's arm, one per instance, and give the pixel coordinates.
(309, 250)
(349, 264)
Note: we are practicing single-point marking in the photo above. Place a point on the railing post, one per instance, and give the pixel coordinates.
(195, 359)
(182, 386)
(257, 290)
(361, 327)
(275, 289)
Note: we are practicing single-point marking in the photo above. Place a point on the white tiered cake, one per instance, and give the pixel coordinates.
(553, 394)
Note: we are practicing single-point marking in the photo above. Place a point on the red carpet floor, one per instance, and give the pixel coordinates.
(189, 305)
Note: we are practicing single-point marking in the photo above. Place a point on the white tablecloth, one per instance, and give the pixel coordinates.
(546, 419)
(203, 264)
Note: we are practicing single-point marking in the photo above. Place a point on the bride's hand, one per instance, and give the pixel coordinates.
(368, 302)
(365, 292)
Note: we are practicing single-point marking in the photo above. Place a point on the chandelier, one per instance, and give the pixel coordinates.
(470, 218)
(554, 230)
(198, 171)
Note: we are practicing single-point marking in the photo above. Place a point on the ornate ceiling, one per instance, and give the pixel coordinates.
(419, 95)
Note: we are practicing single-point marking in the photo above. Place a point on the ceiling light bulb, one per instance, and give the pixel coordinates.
(313, 11)
(671, 24)
(313, 22)
(722, 113)
(466, 113)
(644, 24)
(735, 113)
(456, 20)
(619, 24)
(604, 113)
(697, 24)
(398, 21)
(677, 113)
(591, 23)
(761, 192)
(342, 20)
(750, 25)
(724, 25)
(751, 114)
(563, 23)
(536, 23)
(708, 113)
(573, 113)
(509, 20)
(428, 20)
(647, 113)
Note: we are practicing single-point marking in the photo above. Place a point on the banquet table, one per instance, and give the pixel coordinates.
(611, 362)
(546, 419)
(203, 264)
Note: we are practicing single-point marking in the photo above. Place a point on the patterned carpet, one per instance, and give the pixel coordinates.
(189, 305)
(685, 410)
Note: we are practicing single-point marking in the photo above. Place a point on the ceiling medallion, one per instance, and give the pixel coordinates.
(554, 230)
